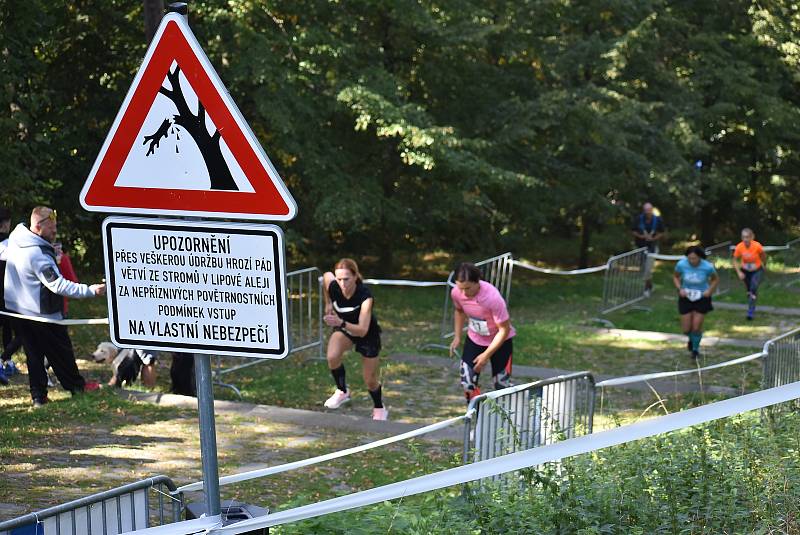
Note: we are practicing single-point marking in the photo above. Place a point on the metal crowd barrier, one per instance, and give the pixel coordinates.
(720, 255)
(782, 361)
(528, 416)
(304, 313)
(623, 284)
(791, 258)
(126, 508)
(496, 270)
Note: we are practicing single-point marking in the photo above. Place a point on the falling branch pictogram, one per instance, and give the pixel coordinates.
(195, 125)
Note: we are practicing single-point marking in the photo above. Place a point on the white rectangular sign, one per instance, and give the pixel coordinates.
(196, 286)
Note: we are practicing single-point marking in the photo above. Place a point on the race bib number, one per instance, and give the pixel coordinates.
(479, 326)
(750, 266)
(694, 295)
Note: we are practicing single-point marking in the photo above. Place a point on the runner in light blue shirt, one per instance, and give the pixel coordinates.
(695, 279)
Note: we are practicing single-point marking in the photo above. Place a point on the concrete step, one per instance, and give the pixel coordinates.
(685, 383)
(300, 417)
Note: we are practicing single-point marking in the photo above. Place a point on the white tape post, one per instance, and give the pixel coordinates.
(92, 321)
(254, 474)
(583, 271)
(525, 459)
(661, 375)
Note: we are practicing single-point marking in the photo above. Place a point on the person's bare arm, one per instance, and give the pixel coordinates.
(459, 319)
(737, 266)
(713, 286)
(676, 280)
(364, 318)
(327, 279)
(502, 333)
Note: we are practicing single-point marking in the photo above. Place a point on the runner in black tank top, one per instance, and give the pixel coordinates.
(348, 309)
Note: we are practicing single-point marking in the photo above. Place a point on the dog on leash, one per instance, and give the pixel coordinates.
(126, 364)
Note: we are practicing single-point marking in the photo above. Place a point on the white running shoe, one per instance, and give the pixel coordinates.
(381, 414)
(337, 399)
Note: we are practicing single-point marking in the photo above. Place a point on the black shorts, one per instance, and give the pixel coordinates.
(369, 346)
(500, 360)
(702, 305)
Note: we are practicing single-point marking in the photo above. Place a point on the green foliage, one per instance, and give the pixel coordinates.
(738, 475)
(466, 126)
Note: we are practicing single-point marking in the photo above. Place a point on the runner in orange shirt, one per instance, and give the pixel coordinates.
(749, 260)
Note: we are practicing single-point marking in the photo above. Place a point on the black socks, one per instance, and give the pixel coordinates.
(377, 398)
(338, 378)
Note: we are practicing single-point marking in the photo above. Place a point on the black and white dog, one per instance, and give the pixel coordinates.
(126, 364)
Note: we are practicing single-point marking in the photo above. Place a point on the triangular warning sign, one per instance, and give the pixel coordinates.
(180, 146)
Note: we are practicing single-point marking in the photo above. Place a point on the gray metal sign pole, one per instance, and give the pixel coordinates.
(208, 432)
(205, 396)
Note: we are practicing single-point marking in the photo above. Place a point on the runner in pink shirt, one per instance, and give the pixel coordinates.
(480, 307)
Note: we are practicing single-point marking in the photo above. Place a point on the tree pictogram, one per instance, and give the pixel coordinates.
(195, 126)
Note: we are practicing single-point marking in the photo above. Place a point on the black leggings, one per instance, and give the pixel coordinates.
(500, 361)
(752, 280)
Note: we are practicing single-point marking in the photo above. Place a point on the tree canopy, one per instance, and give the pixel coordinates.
(404, 126)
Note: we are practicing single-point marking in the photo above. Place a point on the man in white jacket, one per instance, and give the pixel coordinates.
(34, 286)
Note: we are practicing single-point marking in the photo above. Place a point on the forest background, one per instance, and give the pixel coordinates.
(405, 128)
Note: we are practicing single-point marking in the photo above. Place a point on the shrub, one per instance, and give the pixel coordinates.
(738, 475)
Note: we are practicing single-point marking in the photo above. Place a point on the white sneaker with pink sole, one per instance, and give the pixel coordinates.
(337, 399)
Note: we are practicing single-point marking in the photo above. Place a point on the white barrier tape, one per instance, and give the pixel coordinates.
(254, 474)
(668, 257)
(92, 321)
(768, 248)
(400, 282)
(583, 271)
(660, 375)
(203, 524)
(525, 459)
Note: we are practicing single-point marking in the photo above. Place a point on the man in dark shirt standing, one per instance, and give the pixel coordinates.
(647, 229)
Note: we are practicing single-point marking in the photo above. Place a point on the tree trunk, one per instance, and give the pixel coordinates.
(583, 258)
(195, 126)
(707, 224)
(153, 11)
(218, 171)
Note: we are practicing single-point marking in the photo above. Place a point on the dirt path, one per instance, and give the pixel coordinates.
(781, 311)
(655, 336)
(69, 460)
